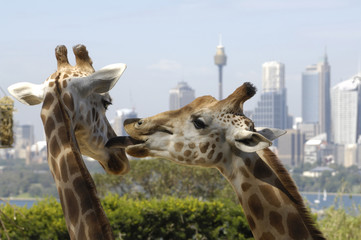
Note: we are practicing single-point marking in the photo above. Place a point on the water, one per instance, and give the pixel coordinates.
(346, 201)
(320, 201)
(19, 202)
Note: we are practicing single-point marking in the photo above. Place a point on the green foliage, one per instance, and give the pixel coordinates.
(337, 224)
(18, 179)
(155, 178)
(168, 218)
(173, 218)
(44, 220)
(155, 203)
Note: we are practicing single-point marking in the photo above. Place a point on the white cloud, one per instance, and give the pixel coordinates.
(165, 65)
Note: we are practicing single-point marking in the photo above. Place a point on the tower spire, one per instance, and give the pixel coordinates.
(325, 59)
(220, 59)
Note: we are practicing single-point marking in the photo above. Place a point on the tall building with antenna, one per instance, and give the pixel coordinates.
(220, 59)
(324, 104)
(316, 102)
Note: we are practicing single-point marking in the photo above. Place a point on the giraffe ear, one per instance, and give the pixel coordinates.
(27, 93)
(100, 81)
(270, 133)
(248, 141)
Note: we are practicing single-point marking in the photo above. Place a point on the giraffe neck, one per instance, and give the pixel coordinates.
(273, 207)
(84, 215)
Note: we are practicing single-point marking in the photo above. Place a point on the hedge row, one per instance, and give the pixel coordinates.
(166, 218)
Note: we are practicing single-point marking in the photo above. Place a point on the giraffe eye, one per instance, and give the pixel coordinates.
(106, 103)
(199, 124)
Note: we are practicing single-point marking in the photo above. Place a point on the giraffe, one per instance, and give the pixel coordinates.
(212, 133)
(75, 99)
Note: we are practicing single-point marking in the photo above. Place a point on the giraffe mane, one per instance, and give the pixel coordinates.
(291, 188)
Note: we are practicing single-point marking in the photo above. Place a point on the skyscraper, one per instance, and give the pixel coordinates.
(180, 96)
(220, 59)
(346, 111)
(290, 147)
(271, 110)
(324, 104)
(24, 138)
(310, 94)
(273, 76)
(316, 102)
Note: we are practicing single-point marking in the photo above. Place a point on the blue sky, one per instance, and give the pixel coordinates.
(164, 42)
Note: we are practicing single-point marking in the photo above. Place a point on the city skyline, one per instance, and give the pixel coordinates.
(304, 142)
(166, 42)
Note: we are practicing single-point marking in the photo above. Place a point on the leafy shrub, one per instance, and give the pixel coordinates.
(155, 178)
(44, 220)
(338, 224)
(168, 218)
(173, 218)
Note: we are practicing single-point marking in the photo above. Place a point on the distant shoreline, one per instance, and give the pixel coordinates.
(42, 198)
(20, 199)
(330, 193)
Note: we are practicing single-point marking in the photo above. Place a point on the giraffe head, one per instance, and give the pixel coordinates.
(203, 132)
(213, 133)
(82, 93)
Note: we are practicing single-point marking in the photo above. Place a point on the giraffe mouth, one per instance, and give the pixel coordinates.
(122, 142)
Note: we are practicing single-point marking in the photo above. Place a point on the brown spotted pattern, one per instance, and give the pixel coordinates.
(203, 153)
(71, 123)
(206, 133)
(235, 120)
(265, 202)
(66, 172)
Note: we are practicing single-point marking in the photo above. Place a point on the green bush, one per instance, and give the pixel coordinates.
(44, 220)
(338, 224)
(155, 178)
(173, 218)
(168, 218)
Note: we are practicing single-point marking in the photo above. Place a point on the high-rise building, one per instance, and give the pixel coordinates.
(316, 102)
(24, 138)
(273, 76)
(271, 110)
(118, 121)
(290, 148)
(346, 111)
(324, 103)
(220, 59)
(180, 96)
(348, 154)
(310, 93)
